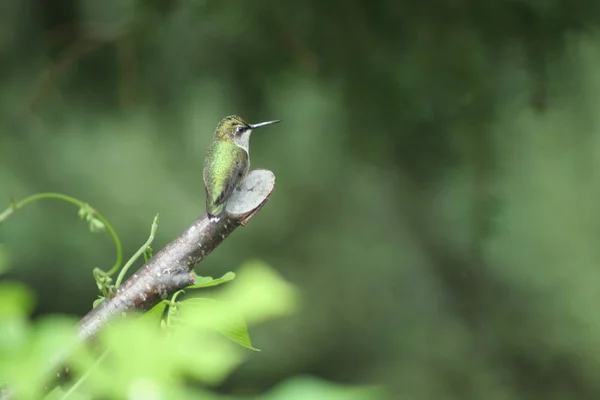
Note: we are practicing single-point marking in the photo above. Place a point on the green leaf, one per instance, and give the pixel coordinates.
(96, 225)
(215, 315)
(97, 302)
(26, 365)
(84, 211)
(259, 293)
(238, 333)
(87, 213)
(141, 358)
(156, 313)
(103, 282)
(148, 254)
(208, 281)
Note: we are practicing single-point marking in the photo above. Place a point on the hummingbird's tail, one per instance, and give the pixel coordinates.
(215, 212)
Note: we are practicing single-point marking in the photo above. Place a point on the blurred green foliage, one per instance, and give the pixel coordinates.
(437, 174)
(134, 358)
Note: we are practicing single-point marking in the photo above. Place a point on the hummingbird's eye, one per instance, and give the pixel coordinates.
(240, 129)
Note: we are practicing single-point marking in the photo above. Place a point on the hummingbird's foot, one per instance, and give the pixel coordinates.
(214, 218)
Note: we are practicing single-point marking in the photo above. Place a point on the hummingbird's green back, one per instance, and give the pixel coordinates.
(225, 166)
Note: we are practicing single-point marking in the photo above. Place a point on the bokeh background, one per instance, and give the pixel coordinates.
(437, 198)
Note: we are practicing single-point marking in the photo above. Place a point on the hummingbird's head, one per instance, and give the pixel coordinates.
(235, 129)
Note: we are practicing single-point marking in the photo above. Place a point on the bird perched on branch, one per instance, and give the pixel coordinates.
(227, 162)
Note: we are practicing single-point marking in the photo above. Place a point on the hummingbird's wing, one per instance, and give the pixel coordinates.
(225, 166)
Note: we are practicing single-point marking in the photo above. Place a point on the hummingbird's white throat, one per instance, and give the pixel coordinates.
(243, 141)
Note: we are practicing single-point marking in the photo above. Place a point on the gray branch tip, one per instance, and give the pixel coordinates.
(252, 194)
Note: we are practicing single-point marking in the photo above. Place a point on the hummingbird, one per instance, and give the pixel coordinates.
(227, 162)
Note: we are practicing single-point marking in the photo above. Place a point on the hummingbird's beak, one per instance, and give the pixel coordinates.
(260, 125)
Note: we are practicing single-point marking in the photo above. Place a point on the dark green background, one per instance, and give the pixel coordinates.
(437, 197)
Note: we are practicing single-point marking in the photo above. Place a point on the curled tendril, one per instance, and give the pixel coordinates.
(96, 222)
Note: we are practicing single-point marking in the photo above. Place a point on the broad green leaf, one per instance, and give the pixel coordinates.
(138, 352)
(238, 333)
(156, 313)
(205, 355)
(215, 315)
(141, 357)
(259, 293)
(208, 281)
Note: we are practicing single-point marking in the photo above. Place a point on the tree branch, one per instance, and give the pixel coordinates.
(171, 268)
